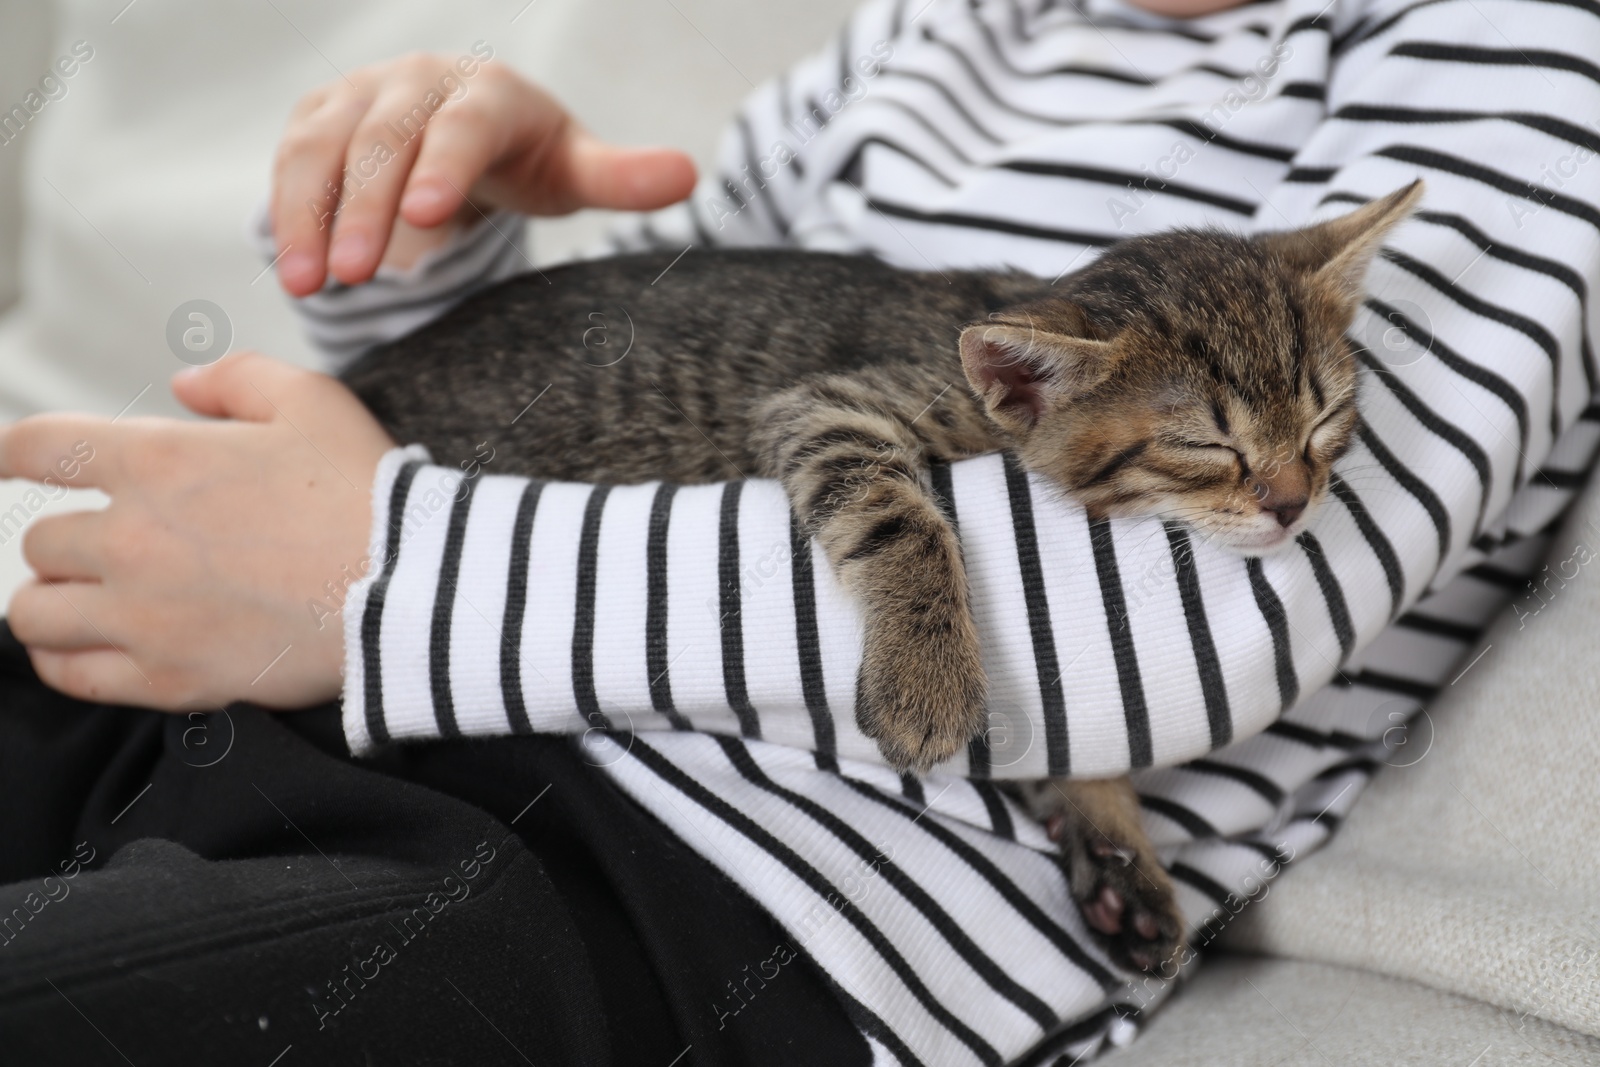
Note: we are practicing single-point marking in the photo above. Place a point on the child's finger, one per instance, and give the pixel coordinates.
(58, 617)
(377, 162)
(103, 675)
(307, 179)
(246, 386)
(68, 547)
(73, 451)
(461, 143)
(626, 179)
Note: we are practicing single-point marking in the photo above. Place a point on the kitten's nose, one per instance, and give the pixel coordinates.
(1287, 513)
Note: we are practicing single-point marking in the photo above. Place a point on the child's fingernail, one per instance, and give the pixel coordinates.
(349, 252)
(297, 267)
(425, 198)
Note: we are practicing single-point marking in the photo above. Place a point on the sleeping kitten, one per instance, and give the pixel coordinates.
(1196, 375)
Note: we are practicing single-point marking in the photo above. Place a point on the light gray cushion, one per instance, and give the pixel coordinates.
(1243, 1011)
(1476, 869)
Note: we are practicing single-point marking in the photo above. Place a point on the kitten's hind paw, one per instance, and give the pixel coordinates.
(921, 699)
(1125, 895)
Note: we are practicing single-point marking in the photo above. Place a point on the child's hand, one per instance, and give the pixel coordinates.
(191, 589)
(359, 152)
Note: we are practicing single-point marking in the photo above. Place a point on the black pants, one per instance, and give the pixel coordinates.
(234, 888)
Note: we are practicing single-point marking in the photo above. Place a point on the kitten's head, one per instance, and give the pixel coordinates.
(1197, 375)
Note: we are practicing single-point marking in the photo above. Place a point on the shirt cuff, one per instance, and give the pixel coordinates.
(343, 321)
(368, 594)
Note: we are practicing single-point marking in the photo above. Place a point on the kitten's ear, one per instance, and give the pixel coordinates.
(1337, 253)
(1022, 373)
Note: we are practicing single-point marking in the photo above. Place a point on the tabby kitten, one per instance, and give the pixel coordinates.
(1197, 375)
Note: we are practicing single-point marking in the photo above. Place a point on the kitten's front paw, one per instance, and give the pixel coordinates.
(920, 695)
(1126, 896)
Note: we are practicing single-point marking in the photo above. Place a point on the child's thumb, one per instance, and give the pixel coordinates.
(235, 387)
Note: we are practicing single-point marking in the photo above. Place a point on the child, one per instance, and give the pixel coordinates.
(952, 136)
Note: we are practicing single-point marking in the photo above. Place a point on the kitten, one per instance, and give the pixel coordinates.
(1197, 375)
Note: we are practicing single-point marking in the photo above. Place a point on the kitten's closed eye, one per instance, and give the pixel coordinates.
(1214, 446)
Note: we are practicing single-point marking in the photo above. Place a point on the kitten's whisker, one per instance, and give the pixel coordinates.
(1138, 547)
(1375, 486)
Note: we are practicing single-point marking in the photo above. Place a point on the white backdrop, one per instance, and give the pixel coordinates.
(127, 193)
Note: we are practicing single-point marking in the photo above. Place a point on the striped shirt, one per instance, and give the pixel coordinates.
(705, 655)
